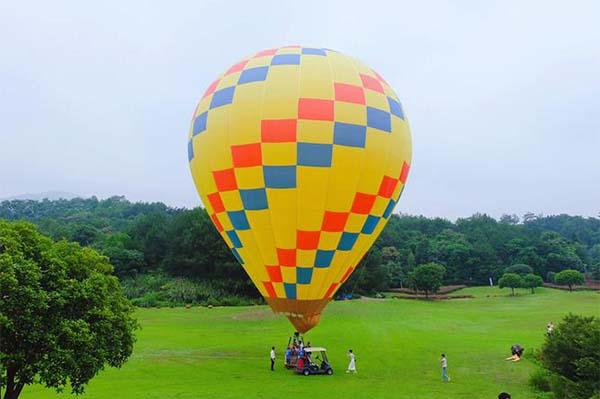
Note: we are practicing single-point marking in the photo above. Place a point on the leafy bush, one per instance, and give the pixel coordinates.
(569, 278)
(571, 354)
(550, 276)
(510, 280)
(160, 290)
(520, 269)
(540, 380)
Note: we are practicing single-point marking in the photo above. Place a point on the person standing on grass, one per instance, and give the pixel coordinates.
(444, 363)
(352, 364)
(272, 358)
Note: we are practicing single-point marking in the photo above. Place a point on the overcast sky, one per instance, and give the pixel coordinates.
(503, 100)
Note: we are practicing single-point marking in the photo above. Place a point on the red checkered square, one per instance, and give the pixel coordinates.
(307, 239)
(346, 275)
(404, 172)
(211, 89)
(270, 290)
(246, 155)
(331, 290)
(278, 130)
(379, 76)
(217, 223)
(349, 93)
(216, 202)
(225, 180)
(266, 52)
(236, 68)
(274, 274)
(387, 186)
(315, 109)
(363, 203)
(370, 82)
(334, 221)
(286, 257)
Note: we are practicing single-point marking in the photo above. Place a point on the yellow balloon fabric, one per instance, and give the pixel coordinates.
(299, 155)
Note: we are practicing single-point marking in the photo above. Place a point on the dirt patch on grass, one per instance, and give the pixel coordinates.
(446, 289)
(589, 286)
(263, 313)
(433, 297)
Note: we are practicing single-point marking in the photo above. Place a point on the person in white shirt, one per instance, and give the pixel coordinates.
(444, 363)
(272, 358)
(352, 365)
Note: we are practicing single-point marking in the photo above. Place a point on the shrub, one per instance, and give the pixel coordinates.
(540, 381)
(510, 280)
(569, 278)
(550, 277)
(519, 268)
(571, 354)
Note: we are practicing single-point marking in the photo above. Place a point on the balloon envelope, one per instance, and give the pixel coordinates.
(299, 155)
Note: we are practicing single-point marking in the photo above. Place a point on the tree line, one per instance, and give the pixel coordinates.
(143, 238)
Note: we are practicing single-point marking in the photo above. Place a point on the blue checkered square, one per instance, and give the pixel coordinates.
(349, 135)
(190, 150)
(379, 119)
(254, 199)
(286, 59)
(347, 241)
(222, 97)
(370, 224)
(239, 220)
(280, 176)
(200, 123)
(253, 75)
(235, 240)
(323, 258)
(304, 275)
(395, 108)
(313, 154)
(290, 290)
(313, 51)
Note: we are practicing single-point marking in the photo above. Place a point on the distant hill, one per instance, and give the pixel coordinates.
(50, 195)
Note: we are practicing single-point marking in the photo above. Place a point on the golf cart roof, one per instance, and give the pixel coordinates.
(315, 349)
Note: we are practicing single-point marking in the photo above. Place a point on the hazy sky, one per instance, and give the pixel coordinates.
(503, 99)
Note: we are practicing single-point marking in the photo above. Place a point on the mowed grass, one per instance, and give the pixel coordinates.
(224, 352)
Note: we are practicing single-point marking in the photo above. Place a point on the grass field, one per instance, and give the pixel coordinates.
(223, 352)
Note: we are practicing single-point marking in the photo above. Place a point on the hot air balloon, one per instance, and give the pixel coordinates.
(299, 155)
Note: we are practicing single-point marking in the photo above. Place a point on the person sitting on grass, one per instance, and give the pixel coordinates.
(516, 351)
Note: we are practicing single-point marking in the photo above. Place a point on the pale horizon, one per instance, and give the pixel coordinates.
(502, 98)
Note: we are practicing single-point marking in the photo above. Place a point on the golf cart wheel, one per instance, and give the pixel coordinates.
(306, 372)
(329, 371)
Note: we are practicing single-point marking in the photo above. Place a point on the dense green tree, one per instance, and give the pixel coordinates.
(594, 271)
(510, 280)
(520, 269)
(571, 354)
(532, 281)
(428, 277)
(139, 237)
(569, 278)
(63, 317)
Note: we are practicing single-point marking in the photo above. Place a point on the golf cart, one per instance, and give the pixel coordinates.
(315, 362)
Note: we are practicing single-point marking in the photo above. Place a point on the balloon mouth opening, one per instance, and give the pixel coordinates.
(303, 314)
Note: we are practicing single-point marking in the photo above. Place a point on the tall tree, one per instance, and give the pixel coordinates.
(569, 278)
(510, 280)
(571, 354)
(428, 277)
(532, 281)
(63, 316)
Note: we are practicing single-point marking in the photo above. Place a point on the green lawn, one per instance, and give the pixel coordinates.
(223, 352)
